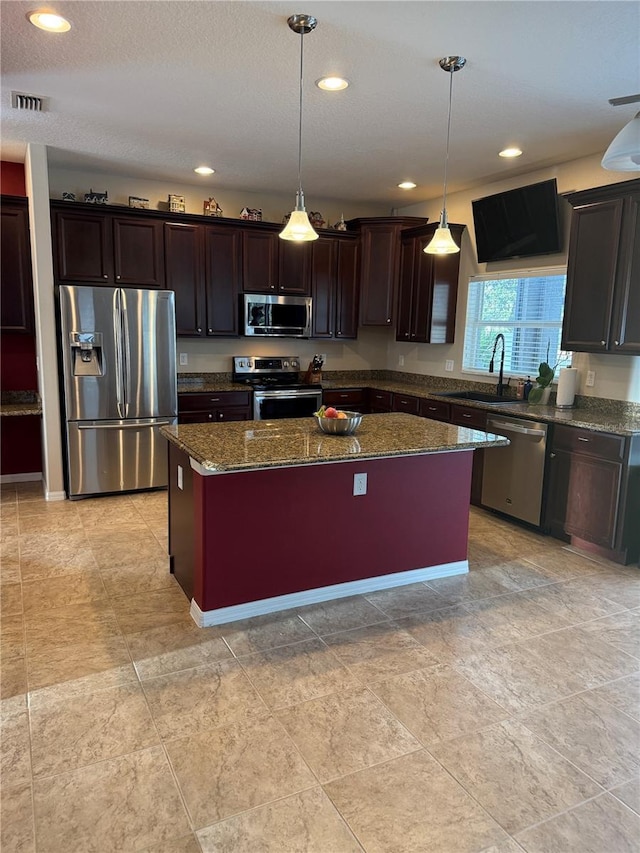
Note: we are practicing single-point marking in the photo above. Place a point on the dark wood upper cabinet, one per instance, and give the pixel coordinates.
(223, 247)
(83, 247)
(428, 292)
(379, 265)
(294, 267)
(184, 270)
(16, 299)
(347, 290)
(138, 252)
(602, 306)
(260, 261)
(324, 259)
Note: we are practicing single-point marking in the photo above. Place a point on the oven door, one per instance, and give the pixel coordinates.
(271, 405)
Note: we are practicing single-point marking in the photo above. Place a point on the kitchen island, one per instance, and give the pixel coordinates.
(263, 515)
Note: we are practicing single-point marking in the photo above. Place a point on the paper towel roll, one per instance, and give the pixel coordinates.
(567, 381)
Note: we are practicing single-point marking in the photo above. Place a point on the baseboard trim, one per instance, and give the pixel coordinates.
(207, 618)
(31, 477)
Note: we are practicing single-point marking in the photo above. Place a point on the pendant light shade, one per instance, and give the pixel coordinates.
(298, 228)
(442, 242)
(623, 155)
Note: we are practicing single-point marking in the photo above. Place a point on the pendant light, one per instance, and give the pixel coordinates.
(442, 242)
(298, 228)
(623, 155)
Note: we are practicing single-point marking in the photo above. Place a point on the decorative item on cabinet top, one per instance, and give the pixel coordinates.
(96, 198)
(176, 204)
(139, 203)
(253, 214)
(68, 196)
(210, 207)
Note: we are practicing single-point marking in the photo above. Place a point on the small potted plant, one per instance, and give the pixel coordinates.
(541, 390)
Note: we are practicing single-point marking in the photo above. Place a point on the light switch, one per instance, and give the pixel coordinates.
(448, 365)
(184, 358)
(591, 378)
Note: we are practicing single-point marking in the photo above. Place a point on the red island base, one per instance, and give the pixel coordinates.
(254, 542)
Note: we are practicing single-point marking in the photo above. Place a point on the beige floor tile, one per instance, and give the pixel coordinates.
(69, 734)
(474, 585)
(303, 822)
(185, 844)
(345, 732)
(8, 493)
(13, 680)
(10, 599)
(114, 551)
(379, 651)
(516, 777)
(147, 575)
(564, 565)
(62, 591)
(68, 670)
(44, 555)
(235, 768)
(623, 694)
(115, 516)
(265, 632)
(174, 647)
(513, 617)
(70, 625)
(572, 603)
(516, 575)
(10, 559)
(195, 700)
(629, 794)
(128, 803)
(344, 614)
(151, 610)
(16, 819)
(622, 631)
(405, 600)
(9, 527)
(438, 704)
(380, 806)
(12, 642)
(30, 491)
(292, 674)
(49, 523)
(598, 738)
(62, 509)
(617, 585)
(15, 753)
(600, 825)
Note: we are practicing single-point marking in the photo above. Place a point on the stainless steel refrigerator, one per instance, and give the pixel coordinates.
(119, 386)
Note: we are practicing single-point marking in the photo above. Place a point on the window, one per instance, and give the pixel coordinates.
(527, 308)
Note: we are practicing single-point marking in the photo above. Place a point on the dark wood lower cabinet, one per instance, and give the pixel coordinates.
(198, 408)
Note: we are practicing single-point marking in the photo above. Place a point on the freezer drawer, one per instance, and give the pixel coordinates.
(116, 456)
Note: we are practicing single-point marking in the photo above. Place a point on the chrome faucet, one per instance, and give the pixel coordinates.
(500, 385)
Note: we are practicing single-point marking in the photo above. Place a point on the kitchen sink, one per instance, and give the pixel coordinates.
(478, 397)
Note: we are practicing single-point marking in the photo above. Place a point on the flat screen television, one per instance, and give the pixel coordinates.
(518, 223)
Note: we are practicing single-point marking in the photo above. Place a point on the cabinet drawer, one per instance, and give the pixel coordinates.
(406, 403)
(437, 410)
(467, 416)
(381, 401)
(347, 397)
(601, 444)
(214, 400)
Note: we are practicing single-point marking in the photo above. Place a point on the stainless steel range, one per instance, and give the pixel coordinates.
(277, 390)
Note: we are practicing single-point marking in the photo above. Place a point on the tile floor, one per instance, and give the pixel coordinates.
(497, 711)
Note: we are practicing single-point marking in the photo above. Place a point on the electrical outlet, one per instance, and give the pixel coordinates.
(184, 358)
(400, 361)
(448, 365)
(591, 378)
(359, 484)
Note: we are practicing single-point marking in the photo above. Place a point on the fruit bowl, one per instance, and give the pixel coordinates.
(340, 426)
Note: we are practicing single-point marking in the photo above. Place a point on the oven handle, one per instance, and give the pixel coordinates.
(278, 395)
(509, 427)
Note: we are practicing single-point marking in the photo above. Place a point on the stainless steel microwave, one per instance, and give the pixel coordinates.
(268, 315)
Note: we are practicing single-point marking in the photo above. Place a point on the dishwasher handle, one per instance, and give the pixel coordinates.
(502, 426)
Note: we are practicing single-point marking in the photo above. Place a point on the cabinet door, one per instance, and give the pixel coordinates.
(83, 251)
(183, 246)
(405, 294)
(259, 261)
(222, 254)
(592, 506)
(557, 492)
(591, 274)
(626, 327)
(422, 293)
(380, 248)
(138, 252)
(436, 410)
(444, 295)
(294, 267)
(406, 403)
(323, 287)
(347, 291)
(17, 289)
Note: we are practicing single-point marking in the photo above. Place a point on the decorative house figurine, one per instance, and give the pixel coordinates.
(96, 198)
(316, 219)
(211, 207)
(252, 214)
(176, 204)
(69, 197)
(142, 203)
(342, 225)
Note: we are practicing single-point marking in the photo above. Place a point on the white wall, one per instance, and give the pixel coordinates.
(617, 376)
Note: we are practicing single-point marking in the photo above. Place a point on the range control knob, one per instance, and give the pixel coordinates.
(286, 364)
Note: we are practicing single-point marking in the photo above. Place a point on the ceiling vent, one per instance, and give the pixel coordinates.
(32, 103)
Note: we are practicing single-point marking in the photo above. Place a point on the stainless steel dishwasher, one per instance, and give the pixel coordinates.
(512, 477)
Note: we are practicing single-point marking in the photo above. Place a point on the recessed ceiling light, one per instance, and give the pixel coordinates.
(510, 152)
(332, 84)
(407, 185)
(204, 170)
(44, 19)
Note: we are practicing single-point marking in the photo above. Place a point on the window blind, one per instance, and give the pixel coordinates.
(526, 307)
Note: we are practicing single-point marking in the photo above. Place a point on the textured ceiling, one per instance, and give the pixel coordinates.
(152, 89)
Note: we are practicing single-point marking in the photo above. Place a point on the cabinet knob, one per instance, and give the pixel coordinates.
(220, 416)
(552, 456)
(406, 334)
(603, 343)
(198, 330)
(617, 343)
(272, 287)
(338, 333)
(118, 277)
(210, 416)
(388, 319)
(210, 331)
(105, 276)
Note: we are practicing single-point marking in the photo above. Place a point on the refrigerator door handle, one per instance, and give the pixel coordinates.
(126, 352)
(124, 426)
(117, 334)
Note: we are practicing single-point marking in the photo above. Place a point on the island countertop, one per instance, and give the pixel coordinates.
(223, 448)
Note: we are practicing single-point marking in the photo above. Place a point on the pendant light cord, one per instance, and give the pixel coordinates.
(446, 158)
(300, 192)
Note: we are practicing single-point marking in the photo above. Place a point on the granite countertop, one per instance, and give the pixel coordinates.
(20, 403)
(250, 445)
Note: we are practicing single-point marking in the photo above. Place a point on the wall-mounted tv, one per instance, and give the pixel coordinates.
(518, 223)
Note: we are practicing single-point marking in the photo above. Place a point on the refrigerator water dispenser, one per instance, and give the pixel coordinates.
(86, 349)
